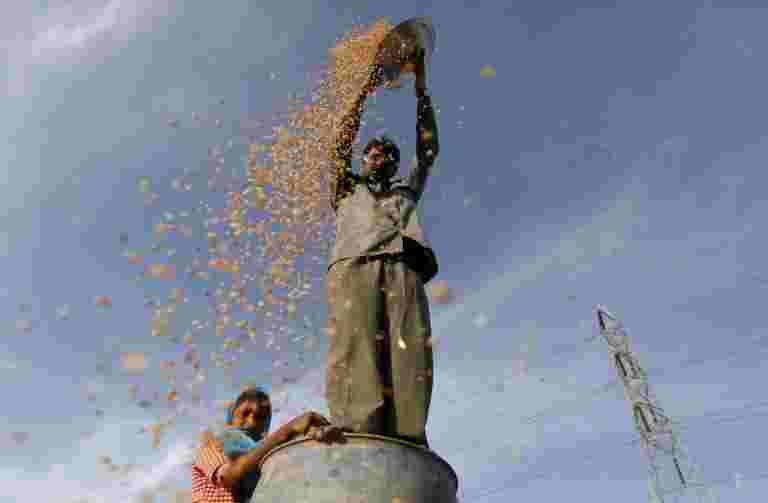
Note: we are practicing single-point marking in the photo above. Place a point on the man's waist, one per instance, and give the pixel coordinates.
(388, 258)
(395, 250)
(418, 257)
(364, 258)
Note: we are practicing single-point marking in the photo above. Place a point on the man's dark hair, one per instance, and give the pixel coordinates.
(255, 394)
(388, 148)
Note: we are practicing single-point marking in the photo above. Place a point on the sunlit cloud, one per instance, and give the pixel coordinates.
(65, 33)
(79, 477)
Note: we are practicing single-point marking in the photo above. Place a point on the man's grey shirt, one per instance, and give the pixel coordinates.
(371, 223)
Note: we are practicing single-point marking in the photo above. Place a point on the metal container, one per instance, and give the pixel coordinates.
(400, 46)
(362, 468)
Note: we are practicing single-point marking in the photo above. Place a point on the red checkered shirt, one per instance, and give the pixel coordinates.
(206, 486)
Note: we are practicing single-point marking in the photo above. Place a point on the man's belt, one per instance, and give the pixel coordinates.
(388, 258)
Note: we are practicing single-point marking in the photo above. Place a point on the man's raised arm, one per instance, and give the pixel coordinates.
(342, 180)
(427, 144)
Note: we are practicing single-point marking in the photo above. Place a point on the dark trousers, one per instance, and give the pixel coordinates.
(380, 362)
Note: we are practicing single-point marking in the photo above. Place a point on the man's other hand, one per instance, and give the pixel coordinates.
(328, 433)
(300, 425)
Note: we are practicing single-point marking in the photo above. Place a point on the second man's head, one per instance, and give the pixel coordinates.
(251, 412)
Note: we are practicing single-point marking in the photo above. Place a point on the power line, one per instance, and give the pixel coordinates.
(627, 443)
(720, 482)
(684, 422)
(500, 489)
(574, 404)
(556, 411)
(681, 422)
(642, 402)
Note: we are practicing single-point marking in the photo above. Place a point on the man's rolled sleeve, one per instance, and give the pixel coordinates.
(427, 145)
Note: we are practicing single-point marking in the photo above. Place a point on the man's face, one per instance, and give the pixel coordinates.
(251, 416)
(375, 158)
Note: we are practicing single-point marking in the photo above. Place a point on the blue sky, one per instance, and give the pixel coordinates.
(615, 158)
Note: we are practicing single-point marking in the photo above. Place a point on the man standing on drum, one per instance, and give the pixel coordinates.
(380, 361)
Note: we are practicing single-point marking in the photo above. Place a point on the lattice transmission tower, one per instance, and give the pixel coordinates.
(672, 477)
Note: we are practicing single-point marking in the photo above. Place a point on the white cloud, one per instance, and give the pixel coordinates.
(77, 474)
(63, 33)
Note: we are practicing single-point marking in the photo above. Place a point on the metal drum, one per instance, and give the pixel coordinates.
(364, 468)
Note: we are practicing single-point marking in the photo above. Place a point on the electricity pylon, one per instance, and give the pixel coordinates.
(672, 477)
